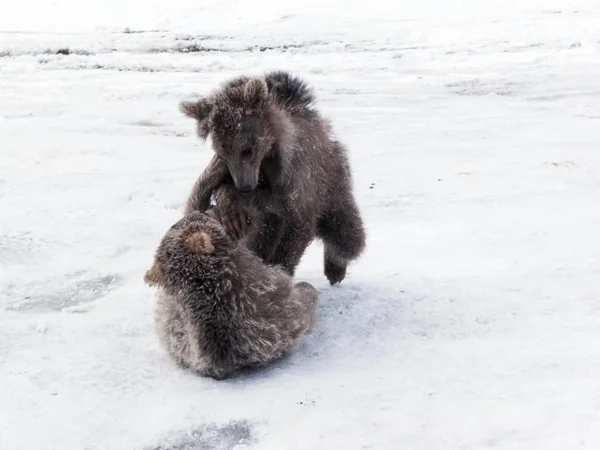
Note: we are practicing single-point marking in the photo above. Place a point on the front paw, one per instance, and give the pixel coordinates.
(334, 271)
(235, 221)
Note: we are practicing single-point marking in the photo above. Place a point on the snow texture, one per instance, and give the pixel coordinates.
(472, 321)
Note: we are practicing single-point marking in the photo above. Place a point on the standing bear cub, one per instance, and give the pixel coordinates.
(278, 176)
(220, 308)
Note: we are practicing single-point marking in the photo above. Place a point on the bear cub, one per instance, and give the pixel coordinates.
(220, 308)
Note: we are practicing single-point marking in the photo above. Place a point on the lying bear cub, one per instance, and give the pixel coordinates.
(220, 308)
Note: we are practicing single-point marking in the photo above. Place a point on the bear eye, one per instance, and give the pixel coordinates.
(246, 152)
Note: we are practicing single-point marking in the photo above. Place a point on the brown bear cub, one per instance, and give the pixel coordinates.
(279, 177)
(220, 308)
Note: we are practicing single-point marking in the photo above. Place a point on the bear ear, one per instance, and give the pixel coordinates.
(155, 276)
(199, 241)
(198, 110)
(256, 90)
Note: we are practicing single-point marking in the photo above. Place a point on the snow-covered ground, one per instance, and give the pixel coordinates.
(473, 319)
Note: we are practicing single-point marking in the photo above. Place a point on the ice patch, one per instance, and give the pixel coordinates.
(53, 295)
(478, 87)
(233, 435)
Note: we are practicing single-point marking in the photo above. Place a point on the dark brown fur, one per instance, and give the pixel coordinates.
(220, 308)
(279, 179)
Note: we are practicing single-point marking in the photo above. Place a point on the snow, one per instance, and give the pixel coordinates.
(471, 322)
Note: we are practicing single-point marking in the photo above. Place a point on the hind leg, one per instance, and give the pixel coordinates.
(172, 330)
(309, 297)
(301, 311)
(343, 235)
(294, 239)
(266, 234)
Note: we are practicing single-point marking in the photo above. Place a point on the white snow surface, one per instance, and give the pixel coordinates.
(471, 322)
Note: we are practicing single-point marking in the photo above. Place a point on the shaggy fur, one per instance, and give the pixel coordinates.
(279, 177)
(220, 308)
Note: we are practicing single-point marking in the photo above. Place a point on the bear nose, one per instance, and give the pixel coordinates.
(245, 189)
